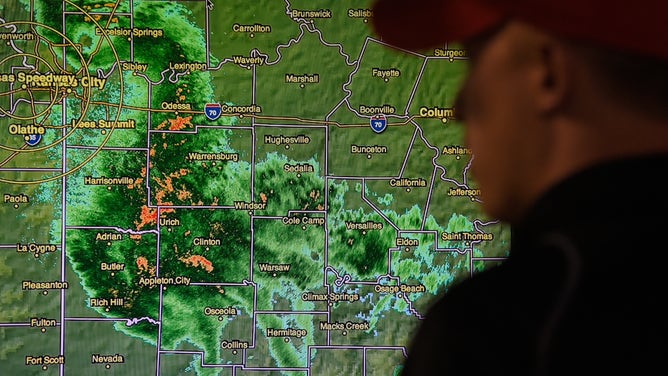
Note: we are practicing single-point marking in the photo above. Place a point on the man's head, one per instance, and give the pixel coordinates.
(537, 102)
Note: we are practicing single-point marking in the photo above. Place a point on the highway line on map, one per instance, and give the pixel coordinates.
(112, 319)
(29, 169)
(408, 152)
(357, 347)
(114, 228)
(12, 156)
(107, 148)
(13, 324)
(425, 211)
(284, 312)
(207, 32)
(158, 340)
(63, 234)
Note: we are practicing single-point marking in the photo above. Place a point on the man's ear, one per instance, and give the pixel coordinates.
(552, 75)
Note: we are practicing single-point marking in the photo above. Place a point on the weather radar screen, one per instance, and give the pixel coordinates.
(226, 187)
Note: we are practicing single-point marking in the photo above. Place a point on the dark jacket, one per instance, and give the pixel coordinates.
(582, 292)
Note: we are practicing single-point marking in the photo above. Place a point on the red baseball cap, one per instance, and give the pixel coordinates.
(639, 26)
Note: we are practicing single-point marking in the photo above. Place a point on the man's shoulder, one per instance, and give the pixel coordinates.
(508, 284)
(487, 312)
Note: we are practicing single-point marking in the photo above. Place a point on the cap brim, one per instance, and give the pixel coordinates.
(422, 24)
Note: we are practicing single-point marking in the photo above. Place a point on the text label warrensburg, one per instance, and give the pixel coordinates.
(222, 157)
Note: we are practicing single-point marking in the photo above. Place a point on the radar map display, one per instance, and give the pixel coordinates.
(225, 187)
